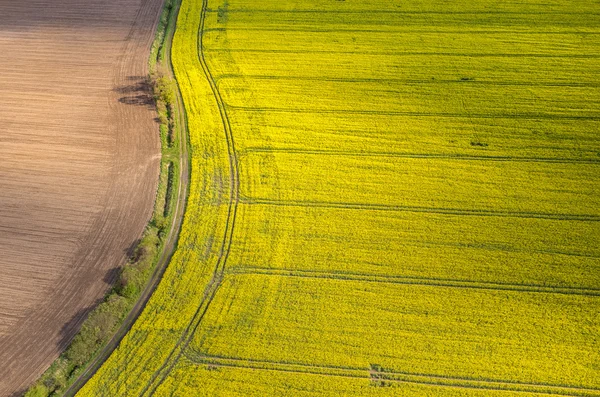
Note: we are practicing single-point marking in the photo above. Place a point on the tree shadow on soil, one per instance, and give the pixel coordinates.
(137, 93)
(131, 251)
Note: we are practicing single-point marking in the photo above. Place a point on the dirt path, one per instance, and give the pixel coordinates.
(79, 157)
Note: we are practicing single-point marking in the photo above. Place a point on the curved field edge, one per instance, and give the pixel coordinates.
(106, 325)
(192, 275)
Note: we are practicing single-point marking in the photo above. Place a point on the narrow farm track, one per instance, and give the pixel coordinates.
(403, 81)
(409, 114)
(325, 11)
(419, 156)
(406, 54)
(450, 211)
(78, 170)
(317, 30)
(438, 282)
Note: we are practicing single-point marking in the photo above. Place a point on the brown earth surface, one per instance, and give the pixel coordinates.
(79, 163)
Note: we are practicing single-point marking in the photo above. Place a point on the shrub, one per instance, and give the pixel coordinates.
(38, 391)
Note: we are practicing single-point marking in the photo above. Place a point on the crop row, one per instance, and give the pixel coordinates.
(417, 134)
(424, 183)
(424, 43)
(237, 381)
(415, 328)
(418, 244)
(437, 282)
(384, 377)
(399, 21)
(426, 6)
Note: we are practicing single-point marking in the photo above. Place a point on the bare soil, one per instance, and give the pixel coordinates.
(79, 163)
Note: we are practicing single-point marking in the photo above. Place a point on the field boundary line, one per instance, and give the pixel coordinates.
(525, 116)
(231, 76)
(377, 375)
(459, 157)
(405, 53)
(307, 11)
(400, 208)
(340, 30)
(413, 280)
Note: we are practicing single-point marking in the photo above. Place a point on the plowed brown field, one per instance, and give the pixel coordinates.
(79, 157)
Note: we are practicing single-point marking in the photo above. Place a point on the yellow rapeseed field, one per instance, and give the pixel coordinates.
(387, 198)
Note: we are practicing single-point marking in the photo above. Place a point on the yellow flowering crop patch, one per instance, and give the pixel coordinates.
(418, 135)
(416, 246)
(387, 198)
(236, 381)
(460, 332)
(469, 185)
